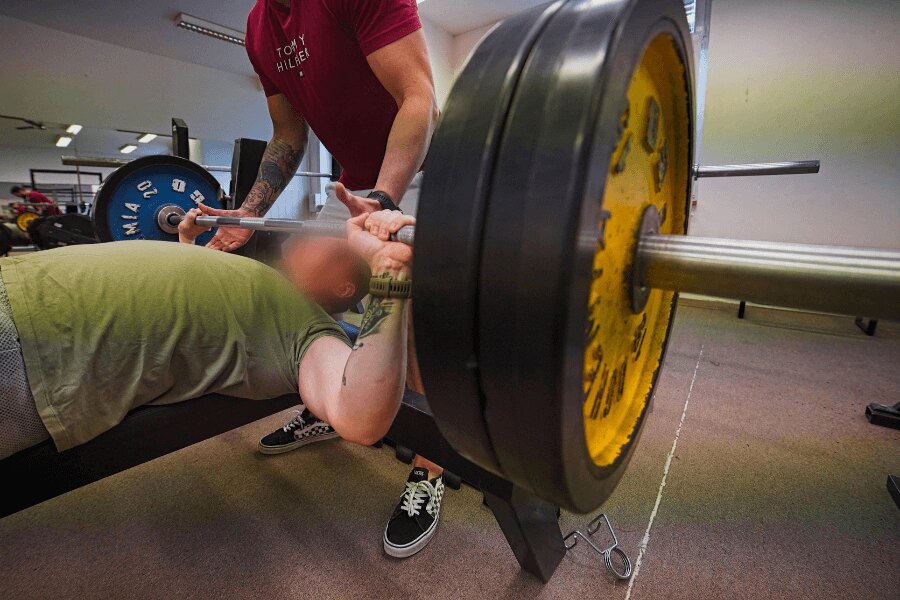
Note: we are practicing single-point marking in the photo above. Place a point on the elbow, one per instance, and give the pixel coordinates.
(435, 111)
(369, 439)
(363, 430)
(435, 115)
(364, 436)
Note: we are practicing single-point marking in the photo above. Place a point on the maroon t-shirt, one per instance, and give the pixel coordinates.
(39, 198)
(315, 54)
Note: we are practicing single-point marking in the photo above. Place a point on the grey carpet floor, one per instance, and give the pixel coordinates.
(775, 488)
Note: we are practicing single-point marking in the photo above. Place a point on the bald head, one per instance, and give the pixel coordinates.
(328, 271)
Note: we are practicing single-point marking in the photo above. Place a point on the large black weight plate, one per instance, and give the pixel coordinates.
(126, 206)
(448, 237)
(63, 230)
(540, 236)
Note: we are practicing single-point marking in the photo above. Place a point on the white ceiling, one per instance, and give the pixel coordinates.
(144, 25)
(149, 26)
(460, 16)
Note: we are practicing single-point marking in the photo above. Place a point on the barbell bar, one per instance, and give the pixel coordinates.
(799, 167)
(836, 279)
(406, 235)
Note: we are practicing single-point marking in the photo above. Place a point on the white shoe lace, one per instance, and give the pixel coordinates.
(296, 422)
(415, 495)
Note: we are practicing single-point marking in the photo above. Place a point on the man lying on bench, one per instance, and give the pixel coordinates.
(88, 333)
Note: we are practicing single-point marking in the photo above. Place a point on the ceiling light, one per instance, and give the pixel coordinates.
(214, 30)
(63, 141)
(127, 148)
(147, 138)
(74, 129)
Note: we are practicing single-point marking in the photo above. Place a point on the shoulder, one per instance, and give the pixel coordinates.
(254, 18)
(351, 11)
(256, 22)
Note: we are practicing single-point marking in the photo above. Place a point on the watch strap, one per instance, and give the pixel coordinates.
(386, 202)
(388, 287)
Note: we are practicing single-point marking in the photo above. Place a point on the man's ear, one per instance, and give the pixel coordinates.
(345, 290)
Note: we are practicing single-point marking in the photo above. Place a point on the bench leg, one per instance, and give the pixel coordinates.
(531, 527)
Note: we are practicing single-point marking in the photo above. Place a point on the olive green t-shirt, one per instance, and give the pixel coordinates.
(105, 328)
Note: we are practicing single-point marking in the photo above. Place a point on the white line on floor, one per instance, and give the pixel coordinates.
(662, 484)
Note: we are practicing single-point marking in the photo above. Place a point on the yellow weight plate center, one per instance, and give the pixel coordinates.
(650, 165)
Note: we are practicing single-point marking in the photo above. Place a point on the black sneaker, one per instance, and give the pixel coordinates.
(302, 429)
(415, 519)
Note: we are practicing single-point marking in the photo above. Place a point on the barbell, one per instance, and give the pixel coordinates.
(551, 242)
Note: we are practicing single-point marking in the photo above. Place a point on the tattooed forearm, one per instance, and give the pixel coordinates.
(379, 309)
(279, 163)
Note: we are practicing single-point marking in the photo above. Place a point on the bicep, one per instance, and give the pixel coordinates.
(286, 122)
(320, 375)
(403, 68)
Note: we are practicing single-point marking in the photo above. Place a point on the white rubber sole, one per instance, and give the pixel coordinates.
(270, 450)
(413, 548)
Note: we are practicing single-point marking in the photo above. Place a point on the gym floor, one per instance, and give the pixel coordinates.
(757, 477)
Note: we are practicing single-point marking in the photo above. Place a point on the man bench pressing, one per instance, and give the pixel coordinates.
(89, 333)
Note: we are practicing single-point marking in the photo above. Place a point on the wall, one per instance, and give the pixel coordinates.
(795, 80)
(464, 43)
(440, 51)
(51, 75)
(790, 81)
(15, 164)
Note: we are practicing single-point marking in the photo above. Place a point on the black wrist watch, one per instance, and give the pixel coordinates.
(386, 202)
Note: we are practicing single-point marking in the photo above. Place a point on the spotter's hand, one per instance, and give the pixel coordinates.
(227, 239)
(356, 204)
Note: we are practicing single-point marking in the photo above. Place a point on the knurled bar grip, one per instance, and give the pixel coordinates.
(406, 235)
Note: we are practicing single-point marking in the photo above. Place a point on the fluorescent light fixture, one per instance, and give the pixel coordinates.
(147, 138)
(127, 148)
(74, 129)
(213, 30)
(63, 141)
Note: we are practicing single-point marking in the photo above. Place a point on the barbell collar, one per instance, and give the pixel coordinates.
(798, 167)
(406, 235)
(862, 282)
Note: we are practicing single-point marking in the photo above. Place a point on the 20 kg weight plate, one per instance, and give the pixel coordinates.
(127, 207)
(599, 130)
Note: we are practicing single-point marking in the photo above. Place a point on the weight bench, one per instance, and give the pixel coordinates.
(530, 524)
(40, 473)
